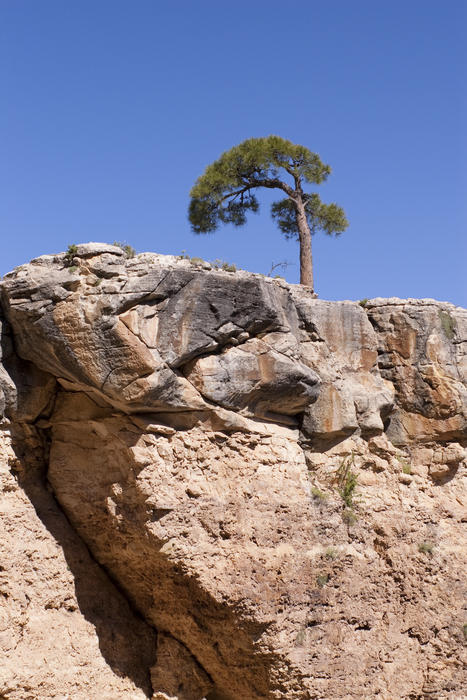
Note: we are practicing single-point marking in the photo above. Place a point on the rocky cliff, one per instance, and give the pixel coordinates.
(217, 486)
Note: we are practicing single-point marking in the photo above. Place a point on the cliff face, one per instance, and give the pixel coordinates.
(216, 486)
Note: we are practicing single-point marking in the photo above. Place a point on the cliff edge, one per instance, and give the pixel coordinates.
(216, 486)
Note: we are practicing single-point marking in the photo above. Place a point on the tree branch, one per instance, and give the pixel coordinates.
(274, 183)
(234, 194)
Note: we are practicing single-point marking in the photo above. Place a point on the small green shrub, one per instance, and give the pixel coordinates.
(183, 256)
(317, 494)
(129, 251)
(70, 254)
(322, 579)
(73, 268)
(229, 267)
(97, 282)
(197, 261)
(331, 553)
(218, 264)
(363, 302)
(347, 481)
(426, 547)
(406, 467)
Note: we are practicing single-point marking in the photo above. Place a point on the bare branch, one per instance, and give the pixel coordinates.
(284, 265)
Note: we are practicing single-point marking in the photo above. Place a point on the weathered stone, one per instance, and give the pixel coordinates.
(255, 378)
(90, 250)
(219, 446)
(422, 351)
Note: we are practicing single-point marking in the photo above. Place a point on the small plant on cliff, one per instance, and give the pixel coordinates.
(226, 192)
(322, 579)
(318, 495)
(331, 553)
(70, 254)
(349, 517)
(129, 251)
(197, 262)
(426, 547)
(347, 481)
(363, 302)
(223, 265)
(406, 468)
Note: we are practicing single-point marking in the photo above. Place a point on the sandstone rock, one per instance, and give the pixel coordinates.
(256, 378)
(65, 630)
(274, 483)
(422, 351)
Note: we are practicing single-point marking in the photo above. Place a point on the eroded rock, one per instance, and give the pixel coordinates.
(274, 482)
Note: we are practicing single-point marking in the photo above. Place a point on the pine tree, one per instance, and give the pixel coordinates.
(227, 191)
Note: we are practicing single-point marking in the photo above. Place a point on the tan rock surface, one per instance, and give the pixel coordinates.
(199, 452)
(65, 630)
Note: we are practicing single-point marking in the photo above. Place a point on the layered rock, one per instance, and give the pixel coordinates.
(273, 483)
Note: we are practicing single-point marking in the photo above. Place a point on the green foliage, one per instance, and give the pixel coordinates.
(217, 264)
(197, 262)
(70, 254)
(331, 553)
(97, 283)
(363, 302)
(225, 192)
(73, 268)
(322, 579)
(129, 251)
(347, 481)
(318, 495)
(329, 218)
(448, 323)
(406, 467)
(223, 265)
(426, 547)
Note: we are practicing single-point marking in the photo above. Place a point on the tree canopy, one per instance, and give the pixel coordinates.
(226, 192)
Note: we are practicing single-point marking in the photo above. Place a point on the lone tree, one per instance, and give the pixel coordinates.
(226, 192)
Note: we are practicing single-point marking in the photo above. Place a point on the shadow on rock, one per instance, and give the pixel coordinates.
(126, 641)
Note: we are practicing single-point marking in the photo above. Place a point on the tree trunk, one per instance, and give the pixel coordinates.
(304, 236)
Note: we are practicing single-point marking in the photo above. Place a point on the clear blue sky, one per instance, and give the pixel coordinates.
(112, 108)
